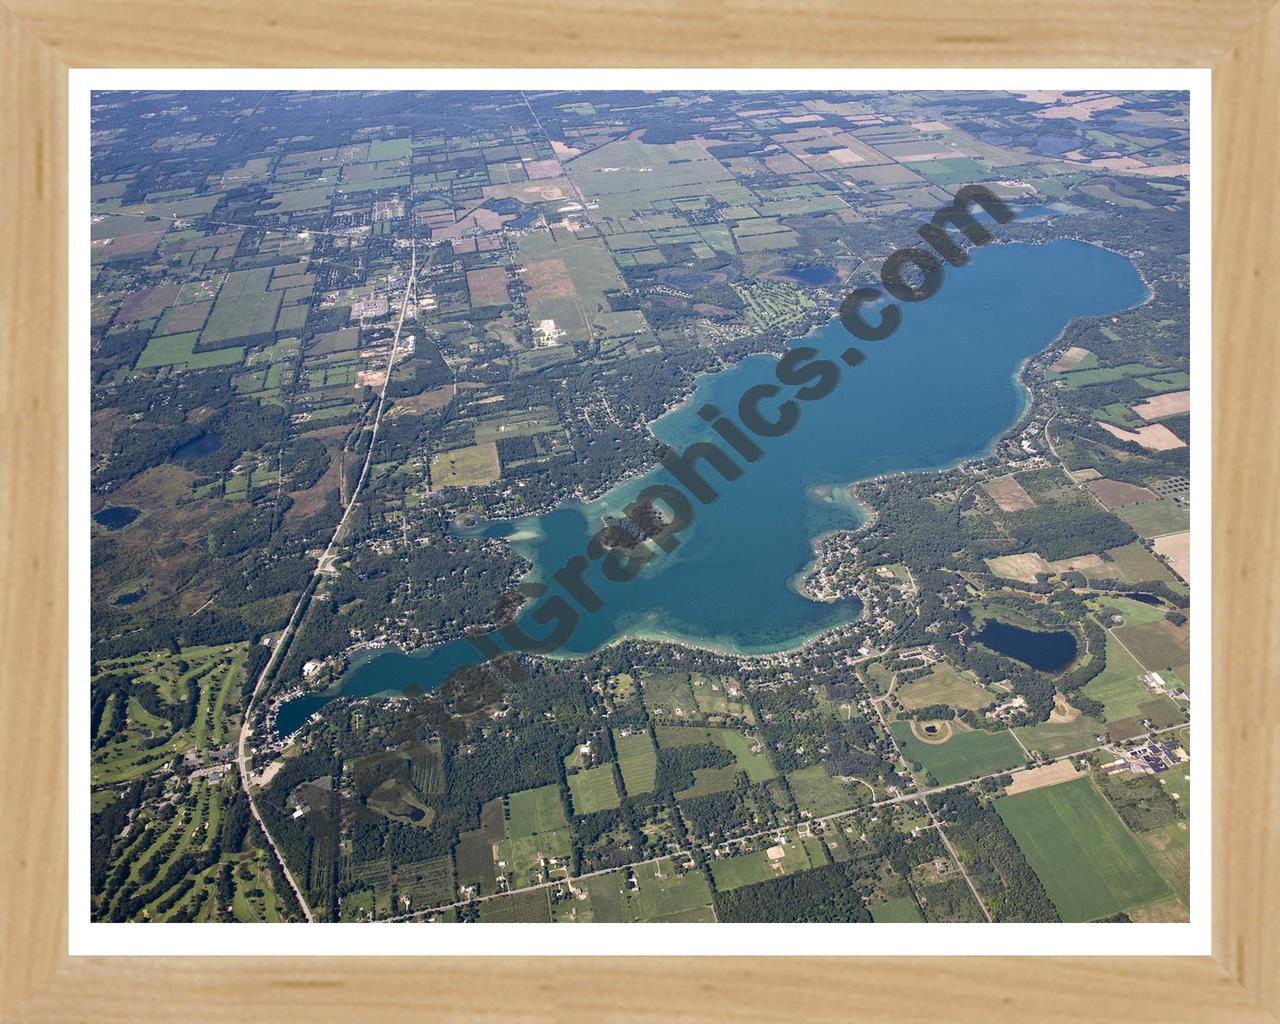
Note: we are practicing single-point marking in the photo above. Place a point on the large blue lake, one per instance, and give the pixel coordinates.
(940, 390)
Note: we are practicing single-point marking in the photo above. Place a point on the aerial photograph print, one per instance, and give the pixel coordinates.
(620, 506)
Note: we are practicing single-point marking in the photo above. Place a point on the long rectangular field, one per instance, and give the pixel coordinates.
(1089, 863)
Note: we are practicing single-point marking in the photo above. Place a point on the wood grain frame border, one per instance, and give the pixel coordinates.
(41, 39)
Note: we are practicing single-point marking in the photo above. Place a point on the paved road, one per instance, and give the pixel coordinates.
(299, 610)
(933, 818)
(917, 795)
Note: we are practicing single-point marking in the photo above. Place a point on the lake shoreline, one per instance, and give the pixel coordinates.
(1022, 316)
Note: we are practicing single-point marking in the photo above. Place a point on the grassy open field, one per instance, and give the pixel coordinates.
(1133, 611)
(536, 831)
(244, 307)
(944, 685)
(901, 910)
(629, 176)
(763, 865)
(593, 790)
(567, 279)
(1102, 375)
(712, 696)
(749, 753)
(1177, 783)
(818, 793)
(1089, 863)
(180, 319)
(465, 467)
(662, 892)
(1138, 565)
(1156, 518)
(176, 350)
(1159, 646)
(669, 694)
(532, 811)
(1022, 567)
(708, 781)
(1122, 693)
(638, 761)
(1169, 848)
(1062, 734)
(526, 423)
(966, 755)
(955, 170)
(345, 340)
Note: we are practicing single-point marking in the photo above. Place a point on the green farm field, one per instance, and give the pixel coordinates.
(1139, 565)
(669, 694)
(536, 829)
(533, 811)
(638, 761)
(708, 781)
(1156, 518)
(176, 350)
(965, 756)
(955, 170)
(663, 893)
(1123, 694)
(1089, 863)
(1159, 646)
(593, 790)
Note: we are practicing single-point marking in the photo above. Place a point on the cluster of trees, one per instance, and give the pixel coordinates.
(676, 765)
(609, 839)
(1009, 887)
(829, 893)
(1141, 800)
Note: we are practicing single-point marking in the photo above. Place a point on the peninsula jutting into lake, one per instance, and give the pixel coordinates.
(941, 391)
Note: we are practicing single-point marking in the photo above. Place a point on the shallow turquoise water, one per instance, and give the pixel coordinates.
(941, 389)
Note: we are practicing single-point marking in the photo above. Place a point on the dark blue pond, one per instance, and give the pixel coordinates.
(816, 274)
(198, 448)
(116, 517)
(1046, 651)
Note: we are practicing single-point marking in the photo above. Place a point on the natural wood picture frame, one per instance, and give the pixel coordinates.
(42, 39)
